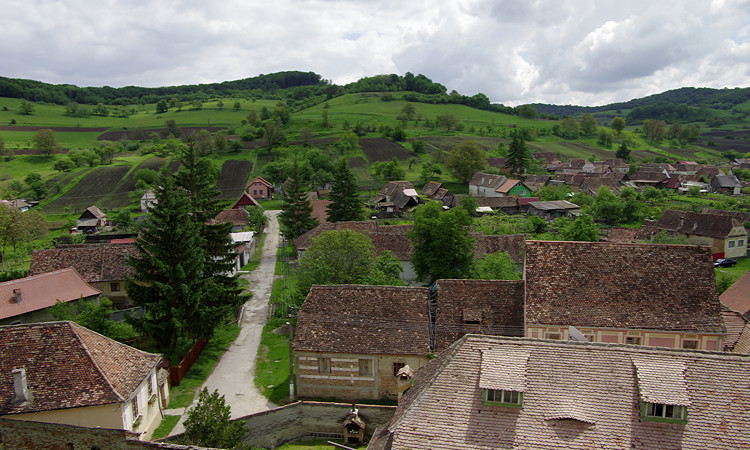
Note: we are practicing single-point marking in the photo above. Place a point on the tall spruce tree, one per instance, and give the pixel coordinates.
(168, 270)
(519, 157)
(296, 212)
(345, 204)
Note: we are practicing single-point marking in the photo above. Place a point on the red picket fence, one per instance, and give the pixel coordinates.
(177, 373)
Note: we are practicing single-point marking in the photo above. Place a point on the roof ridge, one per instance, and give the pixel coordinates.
(41, 275)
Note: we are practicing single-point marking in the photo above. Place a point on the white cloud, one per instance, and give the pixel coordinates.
(583, 52)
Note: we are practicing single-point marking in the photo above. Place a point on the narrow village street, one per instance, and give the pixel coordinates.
(234, 374)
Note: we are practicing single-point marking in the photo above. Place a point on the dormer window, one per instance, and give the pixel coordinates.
(664, 411)
(503, 377)
(662, 390)
(503, 397)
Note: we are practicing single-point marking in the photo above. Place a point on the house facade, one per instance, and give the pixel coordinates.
(640, 294)
(260, 188)
(726, 235)
(60, 372)
(92, 220)
(498, 392)
(351, 340)
(148, 200)
(486, 184)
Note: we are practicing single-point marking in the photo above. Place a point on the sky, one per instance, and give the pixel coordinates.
(580, 52)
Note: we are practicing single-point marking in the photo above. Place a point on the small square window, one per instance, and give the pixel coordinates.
(690, 344)
(633, 340)
(365, 367)
(114, 287)
(324, 365)
(397, 366)
(731, 244)
(741, 243)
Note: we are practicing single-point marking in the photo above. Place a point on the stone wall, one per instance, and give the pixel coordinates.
(22, 435)
(273, 427)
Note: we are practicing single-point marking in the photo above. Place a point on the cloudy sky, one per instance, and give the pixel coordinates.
(585, 52)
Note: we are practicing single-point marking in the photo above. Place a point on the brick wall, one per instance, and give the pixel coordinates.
(22, 435)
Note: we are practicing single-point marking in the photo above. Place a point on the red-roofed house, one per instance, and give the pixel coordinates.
(260, 188)
(245, 200)
(726, 235)
(737, 296)
(60, 372)
(513, 188)
(26, 300)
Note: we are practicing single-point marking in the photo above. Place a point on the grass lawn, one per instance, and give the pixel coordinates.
(270, 205)
(182, 396)
(743, 265)
(272, 363)
(165, 426)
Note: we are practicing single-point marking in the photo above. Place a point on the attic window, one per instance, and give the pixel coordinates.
(502, 397)
(503, 377)
(472, 317)
(663, 389)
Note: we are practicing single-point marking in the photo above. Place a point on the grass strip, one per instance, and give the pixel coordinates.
(165, 427)
(182, 396)
(272, 362)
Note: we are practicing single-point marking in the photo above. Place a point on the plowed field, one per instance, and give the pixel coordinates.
(381, 149)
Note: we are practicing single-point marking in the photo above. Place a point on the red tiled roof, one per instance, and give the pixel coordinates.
(234, 216)
(737, 296)
(735, 324)
(245, 200)
(320, 210)
(94, 262)
(496, 305)
(610, 285)
(687, 222)
(364, 319)
(69, 366)
(42, 291)
(261, 181)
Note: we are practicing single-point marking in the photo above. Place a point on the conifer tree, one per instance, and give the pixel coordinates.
(345, 204)
(296, 212)
(519, 157)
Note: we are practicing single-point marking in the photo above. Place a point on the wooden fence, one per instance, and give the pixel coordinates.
(177, 373)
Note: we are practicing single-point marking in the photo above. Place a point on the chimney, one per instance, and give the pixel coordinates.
(17, 295)
(21, 390)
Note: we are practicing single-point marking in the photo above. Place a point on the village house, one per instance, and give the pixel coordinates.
(572, 180)
(91, 221)
(245, 200)
(103, 266)
(20, 204)
(726, 236)
(435, 191)
(26, 300)
(726, 184)
(260, 188)
(536, 182)
(352, 341)
(513, 188)
(645, 178)
(575, 166)
(394, 197)
(591, 185)
(738, 331)
(643, 294)
(61, 372)
(507, 205)
(500, 392)
(617, 165)
(551, 210)
(486, 184)
(548, 159)
(148, 200)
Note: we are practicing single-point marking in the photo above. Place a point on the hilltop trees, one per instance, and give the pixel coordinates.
(465, 159)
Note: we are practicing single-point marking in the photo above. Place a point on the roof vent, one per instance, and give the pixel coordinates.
(17, 295)
(21, 391)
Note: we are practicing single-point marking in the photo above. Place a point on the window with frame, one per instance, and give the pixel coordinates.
(114, 287)
(741, 243)
(504, 397)
(690, 344)
(662, 411)
(633, 340)
(365, 367)
(731, 244)
(397, 366)
(134, 406)
(324, 365)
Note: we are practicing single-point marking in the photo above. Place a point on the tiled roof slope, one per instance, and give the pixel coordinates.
(487, 180)
(735, 325)
(94, 262)
(576, 395)
(737, 296)
(688, 222)
(610, 285)
(430, 188)
(364, 319)
(68, 366)
(235, 216)
(496, 304)
(42, 291)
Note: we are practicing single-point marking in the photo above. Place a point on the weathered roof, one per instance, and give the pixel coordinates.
(487, 180)
(401, 199)
(573, 164)
(735, 324)
(726, 181)
(262, 181)
(320, 210)
(94, 262)
(688, 222)
(496, 305)
(594, 183)
(617, 163)
(245, 200)
(610, 285)
(497, 202)
(93, 212)
(575, 395)
(393, 187)
(305, 240)
(536, 180)
(554, 205)
(68, 366)
(648, 176)
(737, 296)
(430, 188)
(571, 179)
(234, 216)
(365, 320)
(42, 291)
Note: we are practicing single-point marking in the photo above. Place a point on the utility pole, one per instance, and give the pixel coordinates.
(291, 361)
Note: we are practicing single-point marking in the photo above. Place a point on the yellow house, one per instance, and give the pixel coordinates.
(61, 372)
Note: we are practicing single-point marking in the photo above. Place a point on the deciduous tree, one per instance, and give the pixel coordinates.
(208, 423)
(617, 124)
(45, 141)
(465, 159)
(26, 107)
(495, 266)
(449, 121)
(588, 125)
(582, 228)
(443, 247)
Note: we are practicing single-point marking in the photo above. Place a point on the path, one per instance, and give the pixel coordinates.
(234, 374)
